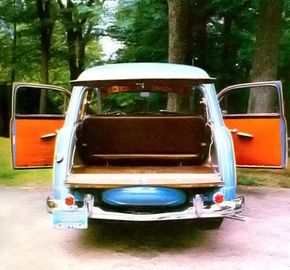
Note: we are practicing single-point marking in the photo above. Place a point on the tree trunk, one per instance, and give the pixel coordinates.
(265, 63)
(179, 17)
(81, 52)
(46, 27)
(76, 51)
(71, 36)
(13, 58)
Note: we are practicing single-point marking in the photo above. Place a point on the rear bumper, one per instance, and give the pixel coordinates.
(228, 209)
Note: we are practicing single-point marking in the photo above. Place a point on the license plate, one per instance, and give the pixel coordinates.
(70, 219)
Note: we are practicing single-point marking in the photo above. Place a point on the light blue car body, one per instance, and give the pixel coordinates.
(206, 189)
(221, 135)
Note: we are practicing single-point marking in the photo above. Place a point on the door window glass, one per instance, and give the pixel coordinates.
(250, 100)
(32, 100)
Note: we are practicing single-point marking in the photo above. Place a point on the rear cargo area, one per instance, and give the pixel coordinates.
(171, 151)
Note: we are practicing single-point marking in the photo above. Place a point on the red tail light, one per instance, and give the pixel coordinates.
(69, 200)
(218, 197)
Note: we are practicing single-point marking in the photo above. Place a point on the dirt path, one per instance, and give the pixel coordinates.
(27, 240)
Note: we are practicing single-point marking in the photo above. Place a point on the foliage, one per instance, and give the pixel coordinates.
(231, 34)
(17, 54)
(135, 103)
(225, 50)
(20, 41)
(80, 20)
(142, 27)
(284, 58)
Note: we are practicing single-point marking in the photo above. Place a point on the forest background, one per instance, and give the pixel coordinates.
(53, 41)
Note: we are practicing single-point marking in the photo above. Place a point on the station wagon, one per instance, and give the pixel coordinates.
(146, 142)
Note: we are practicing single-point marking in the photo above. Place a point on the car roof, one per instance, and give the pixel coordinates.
(142, 71)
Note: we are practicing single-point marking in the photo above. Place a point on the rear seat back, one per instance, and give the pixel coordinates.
(151, 136)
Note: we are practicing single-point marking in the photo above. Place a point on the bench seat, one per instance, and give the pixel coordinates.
(142, 137)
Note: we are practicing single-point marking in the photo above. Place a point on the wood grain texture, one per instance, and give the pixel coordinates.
(110, 177)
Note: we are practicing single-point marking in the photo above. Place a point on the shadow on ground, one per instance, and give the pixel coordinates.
(141, 236)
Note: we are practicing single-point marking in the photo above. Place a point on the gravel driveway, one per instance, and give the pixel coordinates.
(27, 240)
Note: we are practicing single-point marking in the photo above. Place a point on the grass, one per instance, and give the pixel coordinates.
(43, 177)
(250, 180)
(25, 177)
(264, 177)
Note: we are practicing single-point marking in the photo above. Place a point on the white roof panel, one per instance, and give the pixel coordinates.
(143, 71)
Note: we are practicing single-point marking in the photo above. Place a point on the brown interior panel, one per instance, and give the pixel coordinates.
(135, 137)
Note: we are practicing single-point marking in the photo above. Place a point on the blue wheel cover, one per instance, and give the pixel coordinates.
(144, 196)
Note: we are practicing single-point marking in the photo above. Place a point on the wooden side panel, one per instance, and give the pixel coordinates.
(30, 149)
(257, 141)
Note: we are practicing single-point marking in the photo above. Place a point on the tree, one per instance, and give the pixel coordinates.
(11, 25)
(7, 49)
(180, 35)
(265, 64)
(268, 35)
(213, 34)
(231, 19)
(46, 27)
(33, 41)
(79, 19)
(142, 27)
(201, 12)
(20, 36)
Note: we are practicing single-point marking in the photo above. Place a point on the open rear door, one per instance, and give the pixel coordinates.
(254, 114)
(38, 111)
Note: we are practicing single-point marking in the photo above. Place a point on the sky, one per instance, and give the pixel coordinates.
(109, 46)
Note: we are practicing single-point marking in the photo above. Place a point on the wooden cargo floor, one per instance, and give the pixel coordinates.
(115, 176)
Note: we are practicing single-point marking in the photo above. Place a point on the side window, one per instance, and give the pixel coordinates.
(40, 101)
(250, 100)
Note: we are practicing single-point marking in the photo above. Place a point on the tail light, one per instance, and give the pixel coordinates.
(218, 197)
(69, 200)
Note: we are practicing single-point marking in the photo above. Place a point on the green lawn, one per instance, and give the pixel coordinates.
(264, 177)
(26, 177)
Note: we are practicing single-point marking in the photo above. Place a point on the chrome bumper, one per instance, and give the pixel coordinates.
(227, 209)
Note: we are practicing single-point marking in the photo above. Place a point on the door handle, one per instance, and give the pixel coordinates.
(241, 134)
(48, 136)
(245, 135)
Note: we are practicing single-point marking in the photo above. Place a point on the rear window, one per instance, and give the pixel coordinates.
(147, 102)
